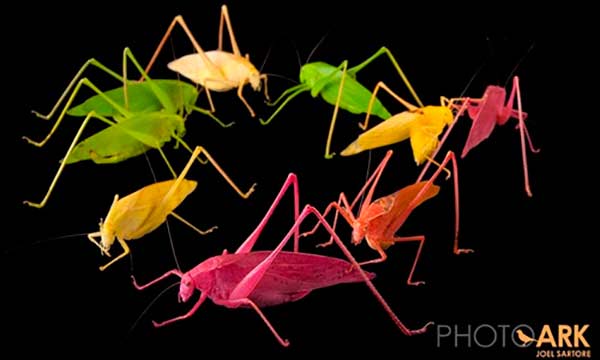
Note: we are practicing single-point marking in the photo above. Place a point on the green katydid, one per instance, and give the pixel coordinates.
(145, 115)
(338, 86)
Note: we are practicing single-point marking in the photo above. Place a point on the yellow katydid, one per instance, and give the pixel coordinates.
(141, 212)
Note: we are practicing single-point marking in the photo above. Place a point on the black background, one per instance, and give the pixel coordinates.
(533, 255)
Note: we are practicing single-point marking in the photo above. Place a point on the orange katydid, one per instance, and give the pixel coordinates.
(379, 220)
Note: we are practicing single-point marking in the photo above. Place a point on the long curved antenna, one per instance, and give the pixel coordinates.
(135, 323)
(519, 63)
(265, 60)
(282, 77)
(315, 48)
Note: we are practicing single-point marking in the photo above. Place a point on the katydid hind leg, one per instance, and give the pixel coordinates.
(386, 51)
(341, 207)
(372, 182)
(460, 112)
(250, 281)
(63, 163)
(225, 19)
(382, 85)
(532, 147)
(425, 189)
(73, 82)
(162, 97)
(517, 88)
(328, 153)
(214, 163)
(63, 113)
(178, 20)
(291, 180)
(456, 249)
(345, 209)
(450, 156)
(247, 285)
(405, 330)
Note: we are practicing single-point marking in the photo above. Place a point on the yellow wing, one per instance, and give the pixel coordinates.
(143, 211)
(391, 131)
(425, 132)
(423, 142)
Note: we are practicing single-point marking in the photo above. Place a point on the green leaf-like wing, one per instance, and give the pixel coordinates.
(129, 138)
(142, 98)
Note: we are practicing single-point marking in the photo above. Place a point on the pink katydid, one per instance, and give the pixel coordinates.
(264, 278)
(490, 110)
(379, 220)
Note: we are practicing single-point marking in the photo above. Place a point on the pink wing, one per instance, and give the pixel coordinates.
(484, 116)
(290, 277)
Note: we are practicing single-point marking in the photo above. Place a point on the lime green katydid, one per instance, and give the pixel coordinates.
(144, 115)
(339, 90)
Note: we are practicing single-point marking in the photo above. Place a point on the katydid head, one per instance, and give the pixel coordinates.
(186, 288)
(359, 231)
(201, 278)
(107, 229)
(107, 234)
(311, 73)
(254, 78)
